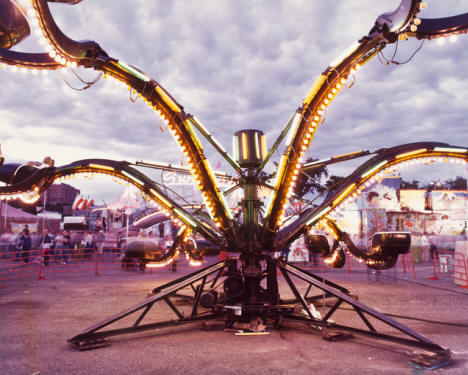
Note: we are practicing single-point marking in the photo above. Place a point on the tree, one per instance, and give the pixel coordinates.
(459, 183)
(409, 185)
(333, 181)
(310, 181)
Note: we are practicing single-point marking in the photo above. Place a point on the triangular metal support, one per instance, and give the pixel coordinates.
(242, 299)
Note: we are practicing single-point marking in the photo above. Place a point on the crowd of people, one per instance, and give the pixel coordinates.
(55, 245)
(58, 246)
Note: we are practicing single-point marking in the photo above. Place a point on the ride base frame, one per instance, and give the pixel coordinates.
(244, 299)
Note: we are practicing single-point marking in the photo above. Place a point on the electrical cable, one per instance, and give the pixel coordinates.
(87, 84)
(387, 61)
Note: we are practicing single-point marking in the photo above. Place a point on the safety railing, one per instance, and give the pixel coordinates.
(40, 263)
(301, 257)
(450, 265)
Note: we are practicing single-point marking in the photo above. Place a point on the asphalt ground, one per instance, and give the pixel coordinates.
(39, 316)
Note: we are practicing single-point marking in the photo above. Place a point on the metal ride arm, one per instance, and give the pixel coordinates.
(388, 28)
(70, 53)
(385, 162)
(334, 159)
(167, 167)
(39, 180)
(431, 28)
(312, 111)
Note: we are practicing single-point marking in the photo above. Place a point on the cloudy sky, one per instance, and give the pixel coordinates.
(235, 64)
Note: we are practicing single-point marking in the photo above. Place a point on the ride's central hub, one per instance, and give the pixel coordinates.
(249, 148)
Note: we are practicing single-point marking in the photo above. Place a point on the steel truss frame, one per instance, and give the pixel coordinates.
(272, 309)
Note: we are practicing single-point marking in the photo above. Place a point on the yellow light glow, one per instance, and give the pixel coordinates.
(372, 170)
(415, 152)
(138, 181)
(245, 151)
(161, 198)
(257, 148)
(104, 167)
(264, 146)
(314, 89)
(167, 99)
(349, 154)
(344, 193)
(450, 149)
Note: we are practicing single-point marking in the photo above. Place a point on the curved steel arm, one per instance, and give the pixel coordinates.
(89, 54)
(307, 121)
(398, 19)
(320, 96)
(441, 27)
(83, 52)
(387, 160)
(40, 179)
(28, 60)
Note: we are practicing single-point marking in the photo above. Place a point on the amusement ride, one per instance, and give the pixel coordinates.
(243, 288)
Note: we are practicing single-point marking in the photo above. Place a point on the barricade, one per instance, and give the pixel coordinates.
(407, 263)
(451, 265)
(460, 270)
(40, 263)
(442, 264)
(17, 264)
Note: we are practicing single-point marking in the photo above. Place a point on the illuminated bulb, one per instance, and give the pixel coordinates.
(338, 86)
(57, 58)
(453, 39)
(440, 41)
(422, 5)
(326, 101)
(330, 96)
(52, 54)
(334, 91)
(413, 28)
(343, 81)
(417, 21)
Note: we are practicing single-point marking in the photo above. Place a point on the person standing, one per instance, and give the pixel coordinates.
(161, 229)
(66, 247)
(25, 245)
(104, 224)
(88, 244)
(58, 246)
(100, 238)
(45, 243)
(425, 247)
(97, 225)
